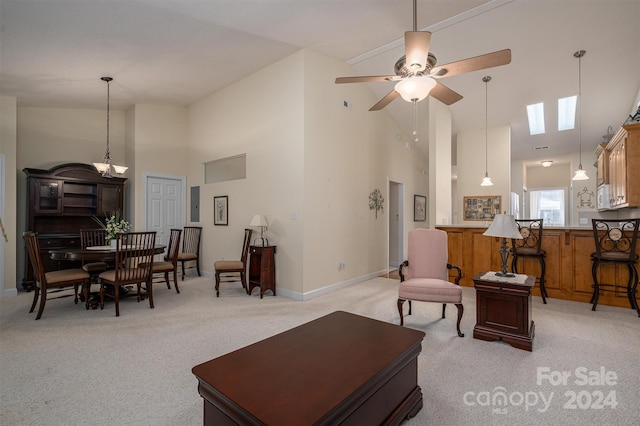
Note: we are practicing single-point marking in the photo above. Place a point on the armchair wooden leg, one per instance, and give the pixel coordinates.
(460, 312)
(166, 279)
(444, 308)
(217, 284)
(400, 302)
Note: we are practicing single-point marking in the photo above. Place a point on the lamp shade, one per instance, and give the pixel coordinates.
(504, 226)
(580, 175)
(415, 88)
(102, 167)
(120, 169)
(258, 221)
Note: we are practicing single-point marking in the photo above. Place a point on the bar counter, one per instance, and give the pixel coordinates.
(568, 262)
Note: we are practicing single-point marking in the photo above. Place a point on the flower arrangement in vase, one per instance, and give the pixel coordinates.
(113, 225)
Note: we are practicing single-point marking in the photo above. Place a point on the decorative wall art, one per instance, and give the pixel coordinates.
(221, 210)
(376, 201)
(482, 207)
(419, 208)
(585, 198)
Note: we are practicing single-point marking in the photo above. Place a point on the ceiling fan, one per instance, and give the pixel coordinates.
(417, 74)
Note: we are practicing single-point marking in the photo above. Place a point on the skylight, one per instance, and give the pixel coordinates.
(567, 113)
(535, 112)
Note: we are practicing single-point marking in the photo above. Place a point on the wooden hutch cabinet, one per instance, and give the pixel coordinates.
(63, 200)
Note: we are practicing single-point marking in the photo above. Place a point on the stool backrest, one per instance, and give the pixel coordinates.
(616, 236)
(531, 231)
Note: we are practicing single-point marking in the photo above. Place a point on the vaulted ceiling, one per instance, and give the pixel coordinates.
(52, 54)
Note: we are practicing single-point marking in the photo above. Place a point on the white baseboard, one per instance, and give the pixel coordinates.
(9, 292)
(330, 288)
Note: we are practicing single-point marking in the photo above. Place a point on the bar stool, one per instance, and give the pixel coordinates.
(615, 243)
(530, 246)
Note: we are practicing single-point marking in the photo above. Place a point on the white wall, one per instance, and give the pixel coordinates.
(8, 141)
(471, 165)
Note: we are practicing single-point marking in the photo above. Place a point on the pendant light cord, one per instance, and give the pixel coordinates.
(108, 97)
(486, 80)
(581, 54)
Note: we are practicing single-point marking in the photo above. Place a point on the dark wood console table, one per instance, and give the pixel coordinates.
(503, 310)
(262, 269)
(299, 377)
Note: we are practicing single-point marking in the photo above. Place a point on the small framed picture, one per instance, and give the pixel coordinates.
(221, 210)
(419, 208)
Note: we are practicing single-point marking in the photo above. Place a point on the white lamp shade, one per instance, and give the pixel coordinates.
(504, 226)
(258, 221)
(102, 167)
(415, 88)
(120, 169)
(580, 175)
(486, 181)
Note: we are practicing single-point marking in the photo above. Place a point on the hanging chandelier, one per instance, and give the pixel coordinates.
(580, 173)
(104, 168)
(486, 181)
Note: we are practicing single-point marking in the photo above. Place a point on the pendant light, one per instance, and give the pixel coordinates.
(486, 181)
(580, 173)
(104, 168)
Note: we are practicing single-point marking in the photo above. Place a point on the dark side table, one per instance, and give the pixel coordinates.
(262, 269)
(503, 309)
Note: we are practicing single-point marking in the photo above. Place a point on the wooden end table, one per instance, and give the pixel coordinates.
(503, 309)
(338, 369)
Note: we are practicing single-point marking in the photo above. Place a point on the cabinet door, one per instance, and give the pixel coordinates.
(622, 172)
(48, 196)
(110, 199)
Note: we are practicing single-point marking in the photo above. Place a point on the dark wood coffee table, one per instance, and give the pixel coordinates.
(339, 369)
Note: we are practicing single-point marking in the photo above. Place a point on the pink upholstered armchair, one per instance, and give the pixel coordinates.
(424, 276)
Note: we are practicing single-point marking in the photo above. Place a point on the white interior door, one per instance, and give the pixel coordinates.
(396, 212)
(165, 206)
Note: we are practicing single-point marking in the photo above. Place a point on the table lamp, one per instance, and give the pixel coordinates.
(504, 226)
(259, 221)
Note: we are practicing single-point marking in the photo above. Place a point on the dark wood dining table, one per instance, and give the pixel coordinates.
(94, 254)
(91, 254)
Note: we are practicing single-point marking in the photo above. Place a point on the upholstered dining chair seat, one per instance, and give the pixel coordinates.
(187, 256)
(430, 290)
(64, 275)
(226, 265)
(129, 273)
(95, 267)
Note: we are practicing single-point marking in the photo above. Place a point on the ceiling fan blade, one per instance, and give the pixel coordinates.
(444, 94)
(385, 101)
(501, 57)
(416, 49)
(366, 79)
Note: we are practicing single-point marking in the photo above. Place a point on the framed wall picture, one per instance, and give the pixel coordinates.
(221, 210)
(419, 208)
(482, 207)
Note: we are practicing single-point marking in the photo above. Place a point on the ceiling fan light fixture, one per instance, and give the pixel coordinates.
(415, 88)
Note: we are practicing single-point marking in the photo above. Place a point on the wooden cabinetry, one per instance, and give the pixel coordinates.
(63, 200)
(602, 164)
(623, 151)
(262, 269)
(568, 262)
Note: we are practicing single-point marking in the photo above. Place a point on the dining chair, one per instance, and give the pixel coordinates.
(133, 249)
(234, 270)
(530, 246)
(615, 241)
(57, 280)
(93, 238)
(170, 264)
(424, 276)
(190, 247)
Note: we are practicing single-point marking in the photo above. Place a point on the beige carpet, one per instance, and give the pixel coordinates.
(77, 367)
